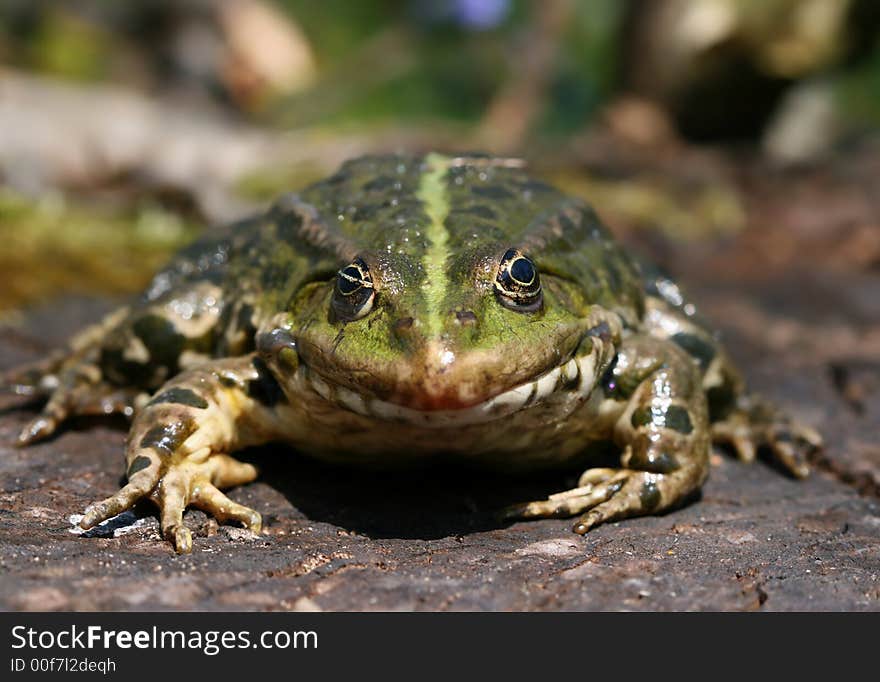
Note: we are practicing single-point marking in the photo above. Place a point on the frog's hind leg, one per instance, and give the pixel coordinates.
(72, 383)
(40, 379)
(740, 421)
(663, 430)
(79, 391)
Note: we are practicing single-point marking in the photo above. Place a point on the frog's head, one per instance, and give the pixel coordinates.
(470, 311)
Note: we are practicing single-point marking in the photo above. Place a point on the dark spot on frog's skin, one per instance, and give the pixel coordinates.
(674, 417)
(700, 349)
(492, 192)
(721, 399)
(380, 183)
(644, 458)
(162, 340)
(480, 212)
(124, 371)
(678, 419)
(244, 319)
(403, 324)
(167, 438)
(641, 416)
(366, 212)
(566, 223)
(163, 343)
(536, 186)
(180, 396)
(601, 331)
(614, 275)
(649, 495)
(139, 464)
(465, 317)
(264, 389)
(228, 381)
(288, 226)
(276, 275)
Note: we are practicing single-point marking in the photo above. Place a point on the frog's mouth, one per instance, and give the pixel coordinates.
(570, 383)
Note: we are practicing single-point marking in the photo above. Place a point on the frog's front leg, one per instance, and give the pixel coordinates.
(177, 451)
(659, 420)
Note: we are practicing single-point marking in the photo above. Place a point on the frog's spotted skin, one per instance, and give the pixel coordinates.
(404, 309)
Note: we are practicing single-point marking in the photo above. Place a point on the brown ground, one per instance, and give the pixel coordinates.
(798, 298)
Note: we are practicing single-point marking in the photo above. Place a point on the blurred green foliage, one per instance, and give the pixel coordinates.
(52, 245)
(404, 60)
(407, 61)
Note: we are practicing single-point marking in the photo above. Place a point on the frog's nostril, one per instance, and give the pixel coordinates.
(465, 317)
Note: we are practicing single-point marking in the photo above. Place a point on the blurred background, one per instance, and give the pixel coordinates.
(728, 138)
(735, 142)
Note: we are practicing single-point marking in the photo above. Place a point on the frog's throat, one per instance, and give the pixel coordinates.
(573, 381)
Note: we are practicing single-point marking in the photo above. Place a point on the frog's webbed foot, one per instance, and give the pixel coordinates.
(755, 424)
(172, 487)
(178, 443)
(606, 495)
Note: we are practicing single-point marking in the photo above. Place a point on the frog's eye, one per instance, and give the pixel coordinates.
(354, 294)
(518, 285)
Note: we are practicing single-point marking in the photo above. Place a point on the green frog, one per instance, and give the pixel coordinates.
(412, 308)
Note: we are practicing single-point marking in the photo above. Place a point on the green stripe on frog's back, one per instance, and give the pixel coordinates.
(432, 191)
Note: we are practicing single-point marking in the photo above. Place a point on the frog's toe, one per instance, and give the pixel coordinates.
(638, 494)
(45, 424)
(570, 502)
(598, 475)
(228, 472)
(736, 432)
(791, 444)
(172, 497)
(138, 487)
(209, 499)
(35, 380)
(181, 537)
(39, 428)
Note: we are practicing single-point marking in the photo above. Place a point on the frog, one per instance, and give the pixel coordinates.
(413, 309)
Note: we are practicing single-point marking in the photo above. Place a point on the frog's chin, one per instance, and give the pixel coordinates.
(573, 380)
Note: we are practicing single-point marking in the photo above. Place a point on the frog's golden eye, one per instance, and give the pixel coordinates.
(354, 294)
(518, 285)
